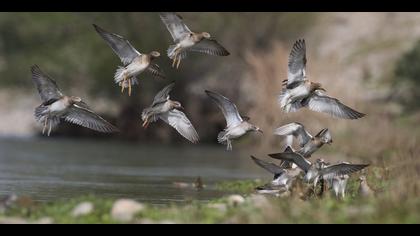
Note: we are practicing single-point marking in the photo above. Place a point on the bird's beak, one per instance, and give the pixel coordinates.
(323, 89)
(259, 130)
(181, 107)
(330, 142)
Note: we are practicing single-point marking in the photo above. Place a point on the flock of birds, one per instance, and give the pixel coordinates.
(297, 92)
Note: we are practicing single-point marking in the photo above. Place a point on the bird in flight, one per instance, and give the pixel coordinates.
(168, 110)
(236, 126)
(134, 62)
(56, 107)
(188, 41)
(298, 91)
(308, 143)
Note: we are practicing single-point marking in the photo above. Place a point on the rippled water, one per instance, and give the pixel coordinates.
(50, 168)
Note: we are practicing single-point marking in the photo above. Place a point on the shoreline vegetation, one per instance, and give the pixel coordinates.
(240, 205)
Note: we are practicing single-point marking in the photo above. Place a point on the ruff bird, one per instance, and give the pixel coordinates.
(319, 169)
(167, 110)
(56, 107)
(188, 41)
(364, 189)
(299, 92)
(134, 63)
(308, 143)
(282, 177)
(236, 126)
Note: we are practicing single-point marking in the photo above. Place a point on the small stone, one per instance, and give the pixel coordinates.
(235, 200)
(126, 209)
(84, 208)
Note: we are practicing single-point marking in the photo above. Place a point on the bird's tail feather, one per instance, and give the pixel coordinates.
(119, 78)
(171, 51)
(148, 114)
(40, 113)
(221, 137)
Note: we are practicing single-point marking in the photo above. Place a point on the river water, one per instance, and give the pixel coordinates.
(48, 169)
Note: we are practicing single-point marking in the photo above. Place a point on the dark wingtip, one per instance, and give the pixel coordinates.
(274, 155)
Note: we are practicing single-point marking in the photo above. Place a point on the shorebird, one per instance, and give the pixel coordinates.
(167, 110)
(186, 40)
(236, 126)
(134, 62)
(56, 107)
(364, 189)
(282, 180)
(299, 92)
(308, 143)
(339, 184)
(319, 169)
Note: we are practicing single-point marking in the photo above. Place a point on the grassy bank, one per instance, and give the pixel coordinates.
(246, 207)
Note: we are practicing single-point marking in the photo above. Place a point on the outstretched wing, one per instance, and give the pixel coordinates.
(297, 64)
(47, 87)
(180, 122)
(294, 157)
(228, 108)
(163, 95)
(79, 114)
(210, 47)
(341, 169)
(122, 47)
(270, 167)
(175, 25)
(297, 130)
(332, 106)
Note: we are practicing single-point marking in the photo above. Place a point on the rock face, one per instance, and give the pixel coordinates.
(84, 208)
(125, 209)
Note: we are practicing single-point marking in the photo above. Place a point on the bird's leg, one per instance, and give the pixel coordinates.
(229, 145)
(45, 124)
(179, 60)
(129, 87)
(174, 60)
(146, 122)
(49, 130)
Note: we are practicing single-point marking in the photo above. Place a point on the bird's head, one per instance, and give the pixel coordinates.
(316, 86)
(205, 35)
(256, 129)
(154, 54)
(362, 178)
(325, 136)
(74, 99)
(177, 105)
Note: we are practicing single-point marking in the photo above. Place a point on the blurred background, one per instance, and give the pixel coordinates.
(370, 61)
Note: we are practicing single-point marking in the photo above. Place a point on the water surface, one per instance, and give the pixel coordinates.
(52, 168)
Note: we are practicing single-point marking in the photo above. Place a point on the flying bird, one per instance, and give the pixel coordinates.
(308, 143)
(318, 169)
(167, 110)
(188, 41)
(236, 126)
(56, 107)
(134, 63)
(282, 177)
(299, 92)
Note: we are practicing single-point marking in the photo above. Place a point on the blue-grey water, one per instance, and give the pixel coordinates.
(48, 169)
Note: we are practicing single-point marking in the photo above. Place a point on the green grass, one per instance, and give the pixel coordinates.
(326, 209)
